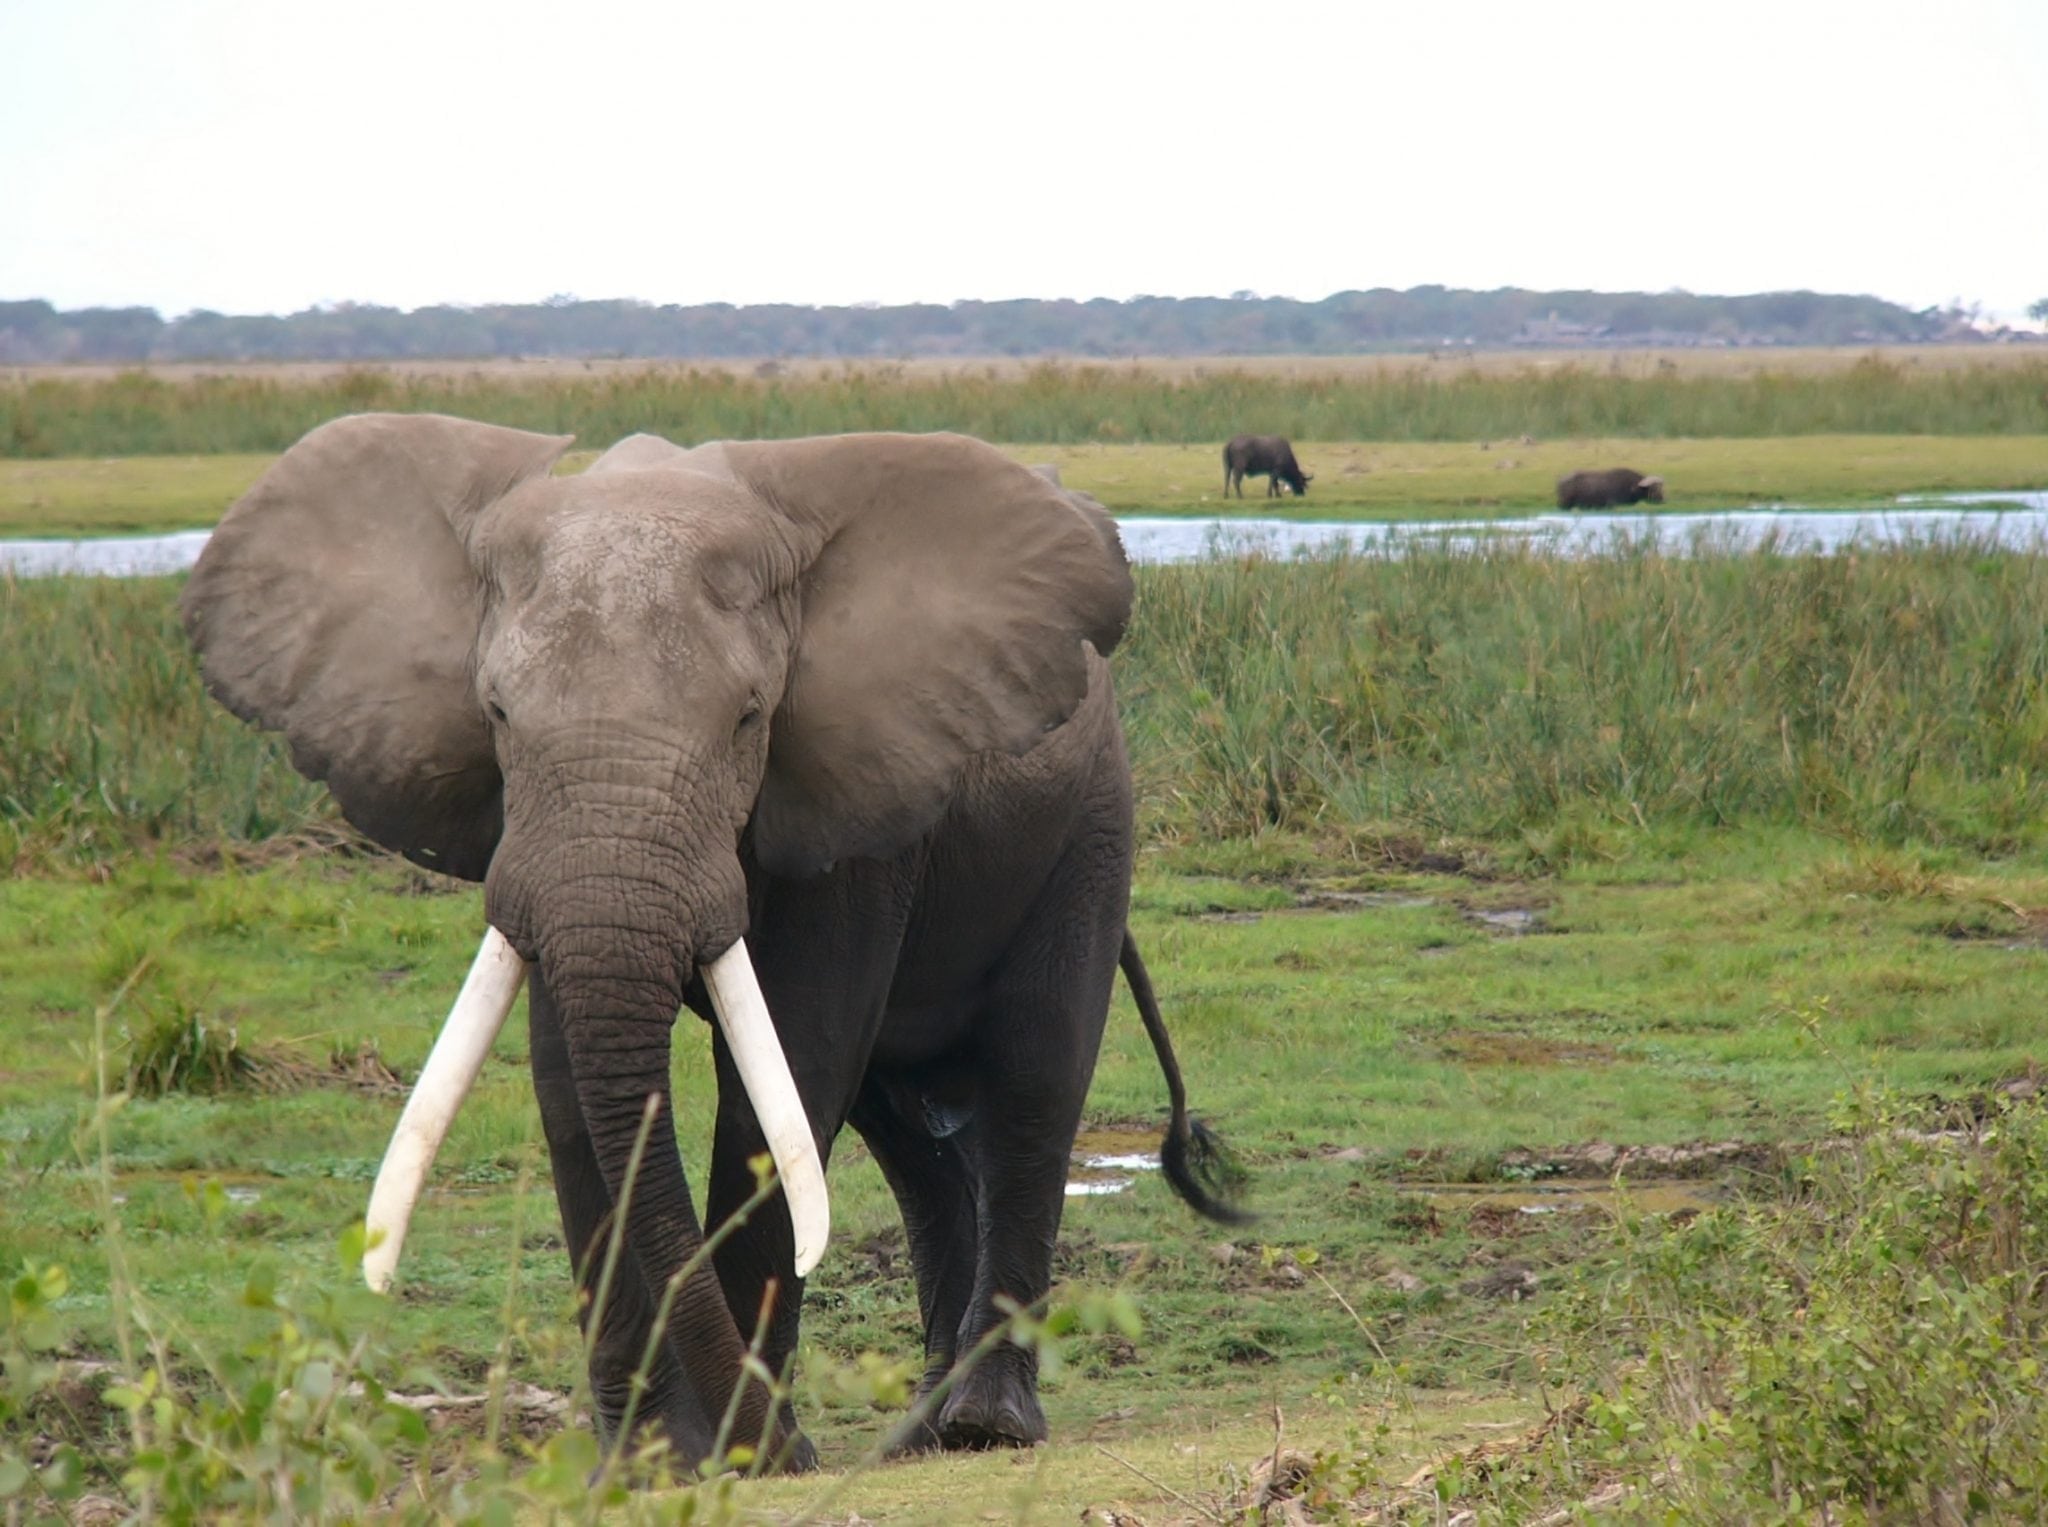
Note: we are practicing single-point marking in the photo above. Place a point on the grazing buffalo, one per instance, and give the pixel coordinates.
(1267, 456)
(1604, 490)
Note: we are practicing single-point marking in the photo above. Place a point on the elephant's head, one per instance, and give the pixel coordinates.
(603, 695)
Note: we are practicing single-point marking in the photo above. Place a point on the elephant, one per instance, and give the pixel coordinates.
(821, 729)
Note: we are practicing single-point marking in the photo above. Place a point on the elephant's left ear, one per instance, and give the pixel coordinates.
(947, 610)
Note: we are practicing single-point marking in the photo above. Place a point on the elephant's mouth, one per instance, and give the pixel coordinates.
(473, 1023)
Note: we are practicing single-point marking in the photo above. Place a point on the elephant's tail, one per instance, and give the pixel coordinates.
(1197, 1164)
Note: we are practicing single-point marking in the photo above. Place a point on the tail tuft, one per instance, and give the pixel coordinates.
(1205, 1173)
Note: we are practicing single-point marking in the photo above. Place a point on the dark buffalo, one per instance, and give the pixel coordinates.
(1604, 490)
(1267, 456)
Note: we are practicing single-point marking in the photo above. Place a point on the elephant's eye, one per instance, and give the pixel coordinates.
(496, 710)
(750, 715)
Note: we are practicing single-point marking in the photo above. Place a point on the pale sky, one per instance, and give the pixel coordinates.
(264, 155)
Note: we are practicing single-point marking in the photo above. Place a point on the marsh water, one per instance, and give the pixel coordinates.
(2016, 521)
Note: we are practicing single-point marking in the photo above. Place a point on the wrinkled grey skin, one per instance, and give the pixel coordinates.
(1267, 456)
(846, 697)
(1607, 489)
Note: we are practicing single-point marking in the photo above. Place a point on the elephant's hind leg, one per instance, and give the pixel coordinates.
(1037, 1038)
(929, 1165)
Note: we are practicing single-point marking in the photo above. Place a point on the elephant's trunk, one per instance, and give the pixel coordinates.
(472, 1026)
(618, 927)
(618, 1063)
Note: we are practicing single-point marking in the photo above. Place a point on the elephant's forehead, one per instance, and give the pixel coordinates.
(621, 567)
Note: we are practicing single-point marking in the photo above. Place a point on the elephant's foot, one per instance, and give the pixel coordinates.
(789, 1450)
(919, 1432)
(797, 1456)
(994, 1406)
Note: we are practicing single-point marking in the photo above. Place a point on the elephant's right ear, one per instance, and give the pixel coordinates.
(336, 604)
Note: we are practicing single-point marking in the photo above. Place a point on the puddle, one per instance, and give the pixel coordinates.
(1103, 1158)
(1565, 1195)
(104, 556)
(2015, 521)
(1095, 1187)
(1145, 1162)
(1509, 921)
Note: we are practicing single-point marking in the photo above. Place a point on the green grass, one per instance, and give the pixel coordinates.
(1726, 988)
(1353, 480)
(141, 414)
(1452, 866)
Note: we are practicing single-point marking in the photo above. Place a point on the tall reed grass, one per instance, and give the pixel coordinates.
(141, 414)
(1891, 695)
(1897, 694)
(108, 740)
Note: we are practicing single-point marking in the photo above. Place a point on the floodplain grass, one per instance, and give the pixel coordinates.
(1353, 479)
(1493, 695)
(139, 413)
(1359, 1030)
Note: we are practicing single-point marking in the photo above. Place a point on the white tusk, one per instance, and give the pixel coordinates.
(764, 1071)
(451, 1070)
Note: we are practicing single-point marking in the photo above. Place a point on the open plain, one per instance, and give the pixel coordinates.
(1552, 942)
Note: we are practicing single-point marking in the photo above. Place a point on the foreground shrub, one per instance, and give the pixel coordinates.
(1865, 1347)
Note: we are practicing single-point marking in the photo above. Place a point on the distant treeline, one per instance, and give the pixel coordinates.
(34, 332)
(141, 414)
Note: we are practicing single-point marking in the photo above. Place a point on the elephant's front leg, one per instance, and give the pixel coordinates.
(756, 1262)
(825, 952)
(621, 1340)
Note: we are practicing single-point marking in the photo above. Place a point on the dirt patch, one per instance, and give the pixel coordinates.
(1600, 1159)
(1498, 1222)
(877, 1259)
(1511, 1281)
(1416, 1217)
(1402, 851)
(318, 840)
(1319, 898)
(1493, 1210)
(1324, 899)
(1999, 923)
(1506, 1047)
